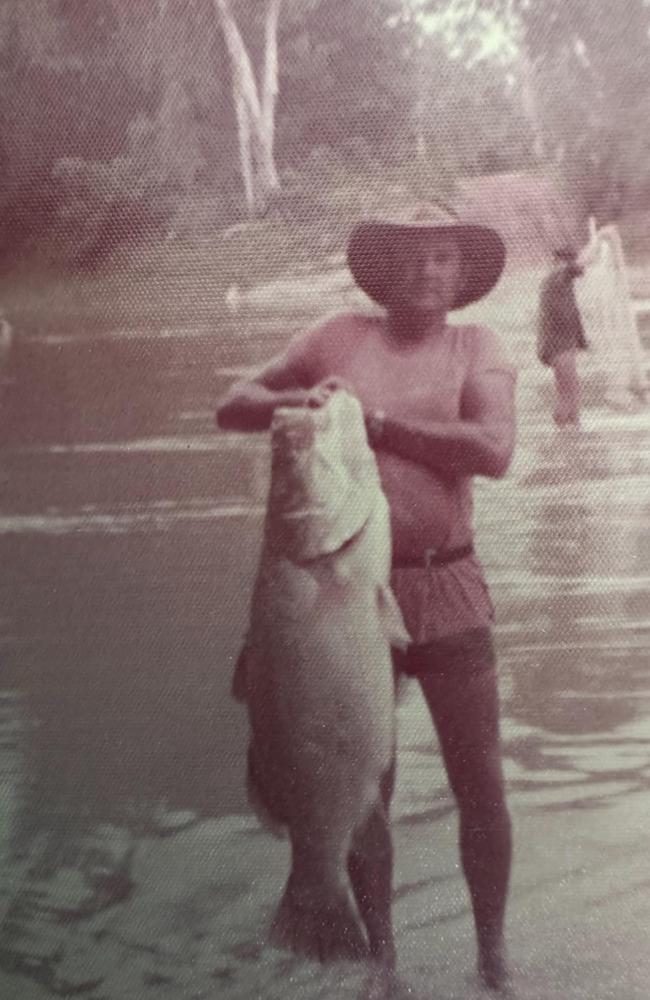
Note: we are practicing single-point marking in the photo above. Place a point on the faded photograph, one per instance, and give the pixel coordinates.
(324, 548)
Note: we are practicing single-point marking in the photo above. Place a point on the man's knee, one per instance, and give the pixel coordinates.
(480, 793)
(372, 843)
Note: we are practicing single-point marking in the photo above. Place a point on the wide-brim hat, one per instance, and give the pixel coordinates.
(372, 243)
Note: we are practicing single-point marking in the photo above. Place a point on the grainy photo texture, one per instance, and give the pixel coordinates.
(324, 549)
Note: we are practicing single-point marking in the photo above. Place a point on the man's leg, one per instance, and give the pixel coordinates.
(239, 687)
(370, 866)
(567, 387)
(370, 863)
(459, 683)
(559, 410)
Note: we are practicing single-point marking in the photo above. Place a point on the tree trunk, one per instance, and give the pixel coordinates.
(420, 103)
(268, 176)
(245, 154)
(176, 139)
(530, 105)
(255, 113)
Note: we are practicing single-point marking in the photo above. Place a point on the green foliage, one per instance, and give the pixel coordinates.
(366, 97)
(592, 69)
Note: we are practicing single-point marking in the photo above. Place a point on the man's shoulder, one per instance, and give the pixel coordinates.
(482, 347)
(341, 331)
(318, 351)
(347, 324)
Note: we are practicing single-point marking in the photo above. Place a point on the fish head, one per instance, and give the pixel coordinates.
(324, 479)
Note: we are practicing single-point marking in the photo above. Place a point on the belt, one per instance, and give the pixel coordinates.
(435, 557)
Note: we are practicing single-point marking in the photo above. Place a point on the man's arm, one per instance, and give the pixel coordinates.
(481, 444)
(249, 405)
(299, 377)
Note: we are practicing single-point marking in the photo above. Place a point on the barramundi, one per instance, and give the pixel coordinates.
(318, 670)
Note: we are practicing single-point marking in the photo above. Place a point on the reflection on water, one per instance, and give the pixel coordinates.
(576, 648)
(128, 539)
(13, 726)
(583, 670)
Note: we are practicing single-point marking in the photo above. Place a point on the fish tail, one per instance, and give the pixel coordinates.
(239, 685)
(267, 812)
(318, 926)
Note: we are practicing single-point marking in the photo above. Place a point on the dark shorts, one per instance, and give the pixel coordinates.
(465, 654)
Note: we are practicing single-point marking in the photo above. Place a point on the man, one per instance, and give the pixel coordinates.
(560, 335)
(439, 405)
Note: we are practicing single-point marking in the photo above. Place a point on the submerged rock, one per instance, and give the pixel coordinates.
(83, 969)
(164, 821)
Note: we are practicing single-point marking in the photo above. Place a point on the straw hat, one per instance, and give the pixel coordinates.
(371, 257)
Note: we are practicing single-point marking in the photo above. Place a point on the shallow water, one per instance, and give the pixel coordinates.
(129, 532)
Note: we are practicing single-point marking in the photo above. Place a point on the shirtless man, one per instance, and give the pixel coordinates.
(439, 406)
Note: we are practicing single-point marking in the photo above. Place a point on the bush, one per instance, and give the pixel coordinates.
(102, 205)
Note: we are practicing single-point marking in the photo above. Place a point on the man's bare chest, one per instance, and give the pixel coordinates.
(419, 384)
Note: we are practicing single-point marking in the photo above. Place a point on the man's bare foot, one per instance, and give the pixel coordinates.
(493, 970)
(385, 984)
(384, 954)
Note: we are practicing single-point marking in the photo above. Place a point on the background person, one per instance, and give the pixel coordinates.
(561, 335)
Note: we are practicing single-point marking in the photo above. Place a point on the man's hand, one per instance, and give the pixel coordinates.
(320, 394)
(249, 406)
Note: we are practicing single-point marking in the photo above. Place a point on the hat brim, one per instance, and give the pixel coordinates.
(372, 265)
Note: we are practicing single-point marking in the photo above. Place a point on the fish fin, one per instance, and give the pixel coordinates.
(391, 618)
(261, 803)
(401, 687)
(239, 686)
(317, 926)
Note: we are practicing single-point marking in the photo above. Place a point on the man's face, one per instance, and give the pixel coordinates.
(428, 273)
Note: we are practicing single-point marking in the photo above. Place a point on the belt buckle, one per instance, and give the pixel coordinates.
(429, 556)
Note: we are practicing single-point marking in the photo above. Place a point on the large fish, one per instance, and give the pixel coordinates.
(319, 680)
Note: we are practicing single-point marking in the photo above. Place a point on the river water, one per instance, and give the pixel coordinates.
(129, 531)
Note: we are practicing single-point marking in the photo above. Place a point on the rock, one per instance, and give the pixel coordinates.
(26, 949)
(71, 895)
(108, 849)
(30, 938)
(67, 895)
(158, 978)
(164, 821)
(83, 969)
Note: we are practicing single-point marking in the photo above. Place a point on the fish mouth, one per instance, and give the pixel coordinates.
(340, 550)
(297, 512)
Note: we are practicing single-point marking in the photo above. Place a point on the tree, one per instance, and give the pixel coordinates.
(346, 76)
(254, 106)
(585, 66)
(594, 61)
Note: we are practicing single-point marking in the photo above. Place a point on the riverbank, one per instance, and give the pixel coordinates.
(235, 273)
